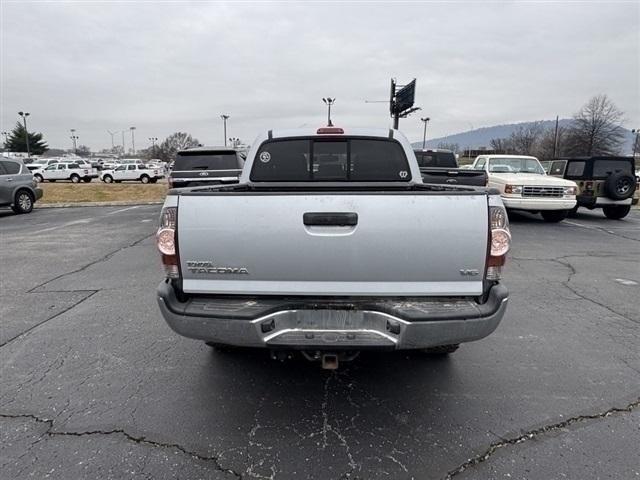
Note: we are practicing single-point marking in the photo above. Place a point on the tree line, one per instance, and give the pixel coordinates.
(596, 129)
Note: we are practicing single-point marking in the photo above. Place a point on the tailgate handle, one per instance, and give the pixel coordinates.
(327, 219)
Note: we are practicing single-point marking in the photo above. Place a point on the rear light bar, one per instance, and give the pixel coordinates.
(330, 131)
(166, 241)
(499, 242)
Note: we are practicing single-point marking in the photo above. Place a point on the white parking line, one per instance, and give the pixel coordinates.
(68, 224)
(123, 210)
(145, 220)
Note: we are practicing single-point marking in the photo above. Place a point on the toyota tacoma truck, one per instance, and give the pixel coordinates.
(331, 244)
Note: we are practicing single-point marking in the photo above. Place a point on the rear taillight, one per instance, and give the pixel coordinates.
(500, 241)
(166, 241)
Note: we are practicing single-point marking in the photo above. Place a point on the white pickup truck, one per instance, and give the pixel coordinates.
(524, 185)
(132, 171)
(64, 171)
(330, 244)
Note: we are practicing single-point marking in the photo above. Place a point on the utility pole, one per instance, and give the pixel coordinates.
(24, 116)
(123, 150)
(153, 141)
(635, 140)
(555, 140)
(74, 139)
(328, 102)
(133, 140)
(224, 118)
(424, 135)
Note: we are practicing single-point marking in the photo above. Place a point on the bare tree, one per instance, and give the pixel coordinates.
(167, 150)
(454, 147)
(549, 147)
(500, 145)
(524, 139)
(597, 128)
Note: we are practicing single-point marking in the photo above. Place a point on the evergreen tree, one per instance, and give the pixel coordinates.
(16, 142)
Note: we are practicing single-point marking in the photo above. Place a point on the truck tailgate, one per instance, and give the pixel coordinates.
(382, 244)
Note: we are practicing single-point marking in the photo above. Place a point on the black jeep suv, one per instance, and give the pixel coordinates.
(603, 182)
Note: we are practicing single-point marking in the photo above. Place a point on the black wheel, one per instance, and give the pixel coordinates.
(86, 179)
(616, 212)
(144, 179)
(75, 178)
(573, 211)
(442, 349)
(220, 347)
(52, 181)
(23, 202)
(38, 178)
(620, 185)
(107, 179)
(554, 216)
(153, 180)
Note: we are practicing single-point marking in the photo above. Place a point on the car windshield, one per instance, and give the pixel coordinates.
(223, 160)
(515, 165)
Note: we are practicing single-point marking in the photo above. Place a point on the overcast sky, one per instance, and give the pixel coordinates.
(175, 66)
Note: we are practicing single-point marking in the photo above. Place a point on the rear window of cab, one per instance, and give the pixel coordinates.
(330, 160)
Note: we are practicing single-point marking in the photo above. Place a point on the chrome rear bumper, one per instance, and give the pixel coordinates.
(443, 322)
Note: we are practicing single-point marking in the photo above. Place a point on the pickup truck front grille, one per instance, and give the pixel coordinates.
(530, 191)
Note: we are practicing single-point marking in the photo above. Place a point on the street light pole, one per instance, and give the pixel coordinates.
(424, 135)
(328, 102)
(123, 150)
(6, 136)
(224, 118)
(635, 141)
(133, 140)
(24, 116)
(74, 137)
(112, 134)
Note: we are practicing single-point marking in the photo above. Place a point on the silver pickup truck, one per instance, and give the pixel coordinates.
(331, 244)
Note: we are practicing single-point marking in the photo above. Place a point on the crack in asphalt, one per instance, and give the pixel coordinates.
(532, 434)
(33, 327)
(573, 271)
(141, 440)
(90, 264)
(89, 292)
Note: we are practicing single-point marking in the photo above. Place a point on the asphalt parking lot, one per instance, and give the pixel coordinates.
(94, 385)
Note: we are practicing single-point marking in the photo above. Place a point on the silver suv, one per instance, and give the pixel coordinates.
(18, 189)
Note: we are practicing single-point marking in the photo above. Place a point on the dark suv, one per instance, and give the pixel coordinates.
(603, 182)
(206, 166)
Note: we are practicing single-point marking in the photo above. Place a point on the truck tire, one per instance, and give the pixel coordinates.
(107, 179)
(75, 178)
(616, 212)
(38, 178)
(619, 186)
(573, 211)
(144, 178)
(86, 179)
(23, 202)
(554, 216)
(441, 350)
(153, 180)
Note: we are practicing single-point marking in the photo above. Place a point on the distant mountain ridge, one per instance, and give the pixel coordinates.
(481, 137)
